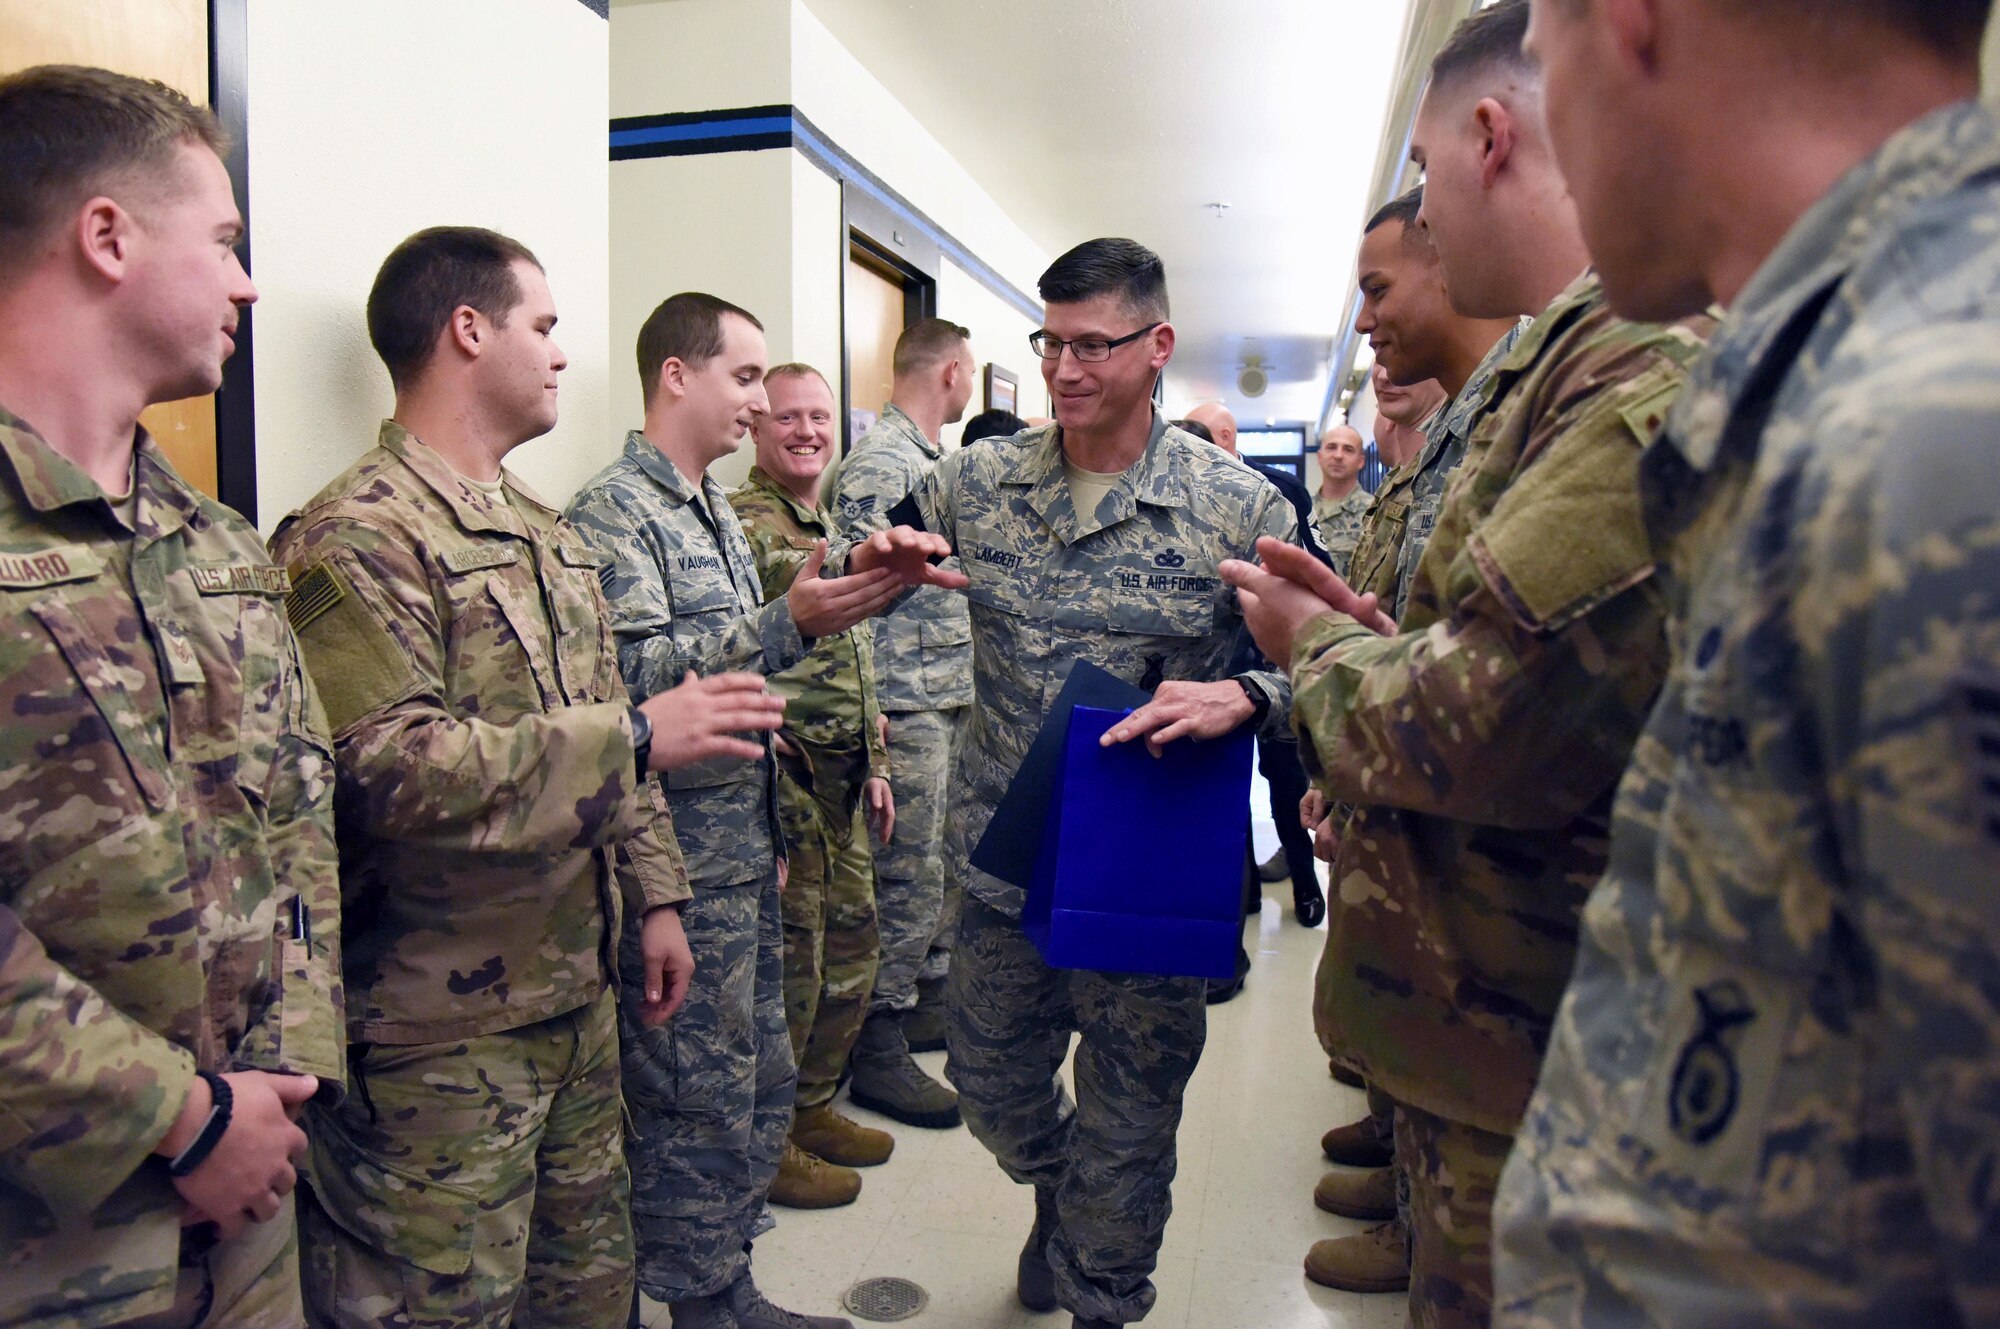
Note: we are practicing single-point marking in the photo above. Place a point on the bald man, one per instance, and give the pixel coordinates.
(1278, 759)
(1341, 503)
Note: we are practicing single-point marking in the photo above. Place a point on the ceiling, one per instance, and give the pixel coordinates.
(1129, 117)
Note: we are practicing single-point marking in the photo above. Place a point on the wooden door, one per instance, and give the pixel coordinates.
(874, 320)
(160, 39)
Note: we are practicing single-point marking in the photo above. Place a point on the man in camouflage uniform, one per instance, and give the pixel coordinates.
(711, 1097)
(169, 903)
(1770, 1094)
(1064, 533)
(1341, 502)
(1486, 738)
(923, 673)
(832, 781)
(1417, 334)
(495, 818)
(1418, 338)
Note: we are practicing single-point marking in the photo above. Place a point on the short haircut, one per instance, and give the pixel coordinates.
(992, 424)
(1197, 428)
(793, 369)
(67, 132)
(1489, 42)
(1124, 268)
(685, 327)
(927, 342)
(1403, 210)
(428, 277)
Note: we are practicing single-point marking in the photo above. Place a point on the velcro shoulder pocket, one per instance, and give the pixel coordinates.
(1569, 534)
(356, 664)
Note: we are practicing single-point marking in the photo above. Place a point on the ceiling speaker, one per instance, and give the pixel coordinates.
(1253, 380)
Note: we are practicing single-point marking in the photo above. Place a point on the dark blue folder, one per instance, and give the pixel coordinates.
(1132, 864)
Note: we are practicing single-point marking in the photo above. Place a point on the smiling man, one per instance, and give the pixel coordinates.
(833, 787)
(1063, 531)
(1417, 335)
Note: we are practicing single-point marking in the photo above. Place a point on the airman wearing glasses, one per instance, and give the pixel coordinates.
(1096, 538)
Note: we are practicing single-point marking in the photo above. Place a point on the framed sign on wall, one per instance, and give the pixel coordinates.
(1003, 390)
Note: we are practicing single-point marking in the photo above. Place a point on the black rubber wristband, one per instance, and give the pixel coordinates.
(1258, 700)
(197, 1152)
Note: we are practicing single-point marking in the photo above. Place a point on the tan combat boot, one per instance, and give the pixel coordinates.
(1377, 1260)
(806, 1181)
(1369, 1196)
(823, 1131)
(1369, 1142)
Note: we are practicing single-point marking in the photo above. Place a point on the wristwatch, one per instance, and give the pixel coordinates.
(1258, 700)
(203, 1144)
(642, 739)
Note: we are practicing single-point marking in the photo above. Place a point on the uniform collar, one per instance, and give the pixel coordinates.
(1156, 479)
(1927, 160)
(50, 481)
(805, 516)
(639, 450)
(1474, 397)
(474, 510)
(897, 419)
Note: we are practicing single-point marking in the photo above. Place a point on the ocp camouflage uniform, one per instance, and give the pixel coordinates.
(923, 677)
(1771, 1093)
(831, 943)
(1338, 524)
(1405, 510)
(711, 1092)
(168, 895)
(493, 825)
(1132, 588)
(1389, 545)
(1481, 745)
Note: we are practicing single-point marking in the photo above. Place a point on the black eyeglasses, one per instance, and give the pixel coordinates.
(1090, 350)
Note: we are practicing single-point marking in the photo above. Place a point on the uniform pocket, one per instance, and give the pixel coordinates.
(110, 690)
(399, 1213)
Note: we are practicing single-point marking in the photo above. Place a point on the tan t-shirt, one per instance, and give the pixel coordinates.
(1088, 488)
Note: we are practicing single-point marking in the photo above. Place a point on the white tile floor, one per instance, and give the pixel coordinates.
(942, 1213)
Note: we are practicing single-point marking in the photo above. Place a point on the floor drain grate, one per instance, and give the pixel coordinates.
(885, 1300)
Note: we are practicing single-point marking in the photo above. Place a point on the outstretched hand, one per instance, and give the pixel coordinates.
(907, 552)
(825, 606)
(1288, 591)
(699, 718)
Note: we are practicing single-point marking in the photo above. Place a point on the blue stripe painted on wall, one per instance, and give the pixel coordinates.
(751, 129)
(713, 129)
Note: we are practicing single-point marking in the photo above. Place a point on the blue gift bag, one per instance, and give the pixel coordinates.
(1140, 868)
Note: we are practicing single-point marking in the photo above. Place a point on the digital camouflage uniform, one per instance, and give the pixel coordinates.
(1481, 745)
(1773, 1091)
(1338, 523)
(168, 893)
(711, 1092)
(492, 826)
(923, 677)
(1133, 589)
(1405, 510)
(831, 944)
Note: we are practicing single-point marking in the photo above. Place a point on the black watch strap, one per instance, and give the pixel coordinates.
(1257, 699)
(198, 1150)
(642, 740)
